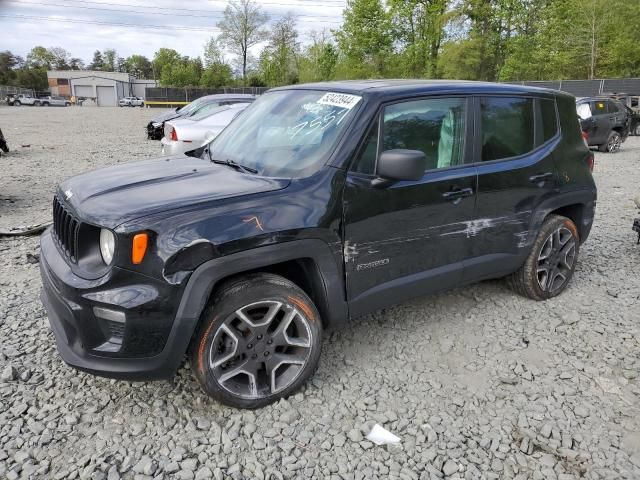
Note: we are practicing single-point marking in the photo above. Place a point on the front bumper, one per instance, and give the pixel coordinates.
(155, 132)
(149, 344)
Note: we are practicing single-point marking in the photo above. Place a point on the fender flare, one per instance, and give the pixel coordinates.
(202, 281)
(586, 197)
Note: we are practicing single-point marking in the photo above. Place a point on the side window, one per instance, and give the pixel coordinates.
(584, 110)
(366, 161)
(549, 119)
(507, 127)
(599, 107)
(434, 126)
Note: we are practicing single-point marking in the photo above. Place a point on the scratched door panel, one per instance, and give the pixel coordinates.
(510, 189)
(395, 232)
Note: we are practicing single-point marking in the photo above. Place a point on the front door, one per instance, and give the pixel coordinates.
(402, 240)
(516, 172)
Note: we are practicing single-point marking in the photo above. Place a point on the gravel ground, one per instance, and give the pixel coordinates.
(477, 382)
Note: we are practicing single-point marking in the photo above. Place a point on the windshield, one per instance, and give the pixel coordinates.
(288, 133)
(193, 105)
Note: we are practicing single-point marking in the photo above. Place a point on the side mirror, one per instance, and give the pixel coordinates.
(400, 164)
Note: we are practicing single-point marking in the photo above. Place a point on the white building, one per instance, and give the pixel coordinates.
(104, 88)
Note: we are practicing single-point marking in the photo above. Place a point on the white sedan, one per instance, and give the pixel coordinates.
(184, 134)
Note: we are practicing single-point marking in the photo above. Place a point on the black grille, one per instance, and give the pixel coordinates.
(116, 329)
(65, 230)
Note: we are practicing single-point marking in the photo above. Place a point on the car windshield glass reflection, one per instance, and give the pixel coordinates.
(288, 133)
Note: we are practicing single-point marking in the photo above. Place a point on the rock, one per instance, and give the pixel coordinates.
(355, 435)
(9, 373)
(450, 467)
(571, 318)
(581, 411)
(204, 473)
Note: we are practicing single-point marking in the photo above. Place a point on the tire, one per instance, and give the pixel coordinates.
(536, 278)
(636, 132)
(45, 104)
(614, 141)
(17, 103)
(36, 103)
(283, 326)
(67, 104)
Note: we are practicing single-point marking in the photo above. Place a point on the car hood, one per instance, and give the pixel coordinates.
(112, 196)
(167, 115)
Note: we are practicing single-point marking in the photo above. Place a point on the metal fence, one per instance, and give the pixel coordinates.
(590, 88)
(6, 90)
(168, 94)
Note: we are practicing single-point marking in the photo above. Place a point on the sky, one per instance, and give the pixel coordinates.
(83, 26)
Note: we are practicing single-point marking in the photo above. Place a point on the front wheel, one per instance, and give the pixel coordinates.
(17, 103)
(550, 265)
(259, 341)
(36, 103)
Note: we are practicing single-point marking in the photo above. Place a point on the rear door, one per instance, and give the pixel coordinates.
(516, 172)
(402, 240)
(602, 123)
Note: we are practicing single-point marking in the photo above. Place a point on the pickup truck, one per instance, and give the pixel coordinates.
(54, 101)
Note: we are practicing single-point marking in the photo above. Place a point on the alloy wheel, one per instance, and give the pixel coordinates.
(614, 143)
(556, 260)
(260, 349)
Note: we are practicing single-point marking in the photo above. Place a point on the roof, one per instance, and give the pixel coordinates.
(397, 87)
(226, 96)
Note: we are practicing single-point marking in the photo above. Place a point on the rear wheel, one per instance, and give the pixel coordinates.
(17, 103)
(259, 341)
(36, 103)
(636, 132)
(45, 104)
(550, 265)
(613, 143)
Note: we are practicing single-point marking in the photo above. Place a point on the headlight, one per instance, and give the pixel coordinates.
(157, 124)
(107, 245)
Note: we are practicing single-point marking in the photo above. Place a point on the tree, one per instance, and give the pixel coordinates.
(76, 63)
(139, 66)
(40, 57)
(185, 73)
(318, 61)
(98, 62)
(8, 62)
(365, 38)
(419, 28)
(213, 52)
(278, 60)
(216, 75)
(242, 28)
(110, 57)
(163, 59)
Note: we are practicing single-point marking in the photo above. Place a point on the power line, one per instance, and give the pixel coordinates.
(114, 24)
(20, 2)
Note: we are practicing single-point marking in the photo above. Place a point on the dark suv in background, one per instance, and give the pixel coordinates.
(318, 203)
(605, 121)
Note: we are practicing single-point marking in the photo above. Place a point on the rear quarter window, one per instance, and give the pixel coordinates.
(549, 119)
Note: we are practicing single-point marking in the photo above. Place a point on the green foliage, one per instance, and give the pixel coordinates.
(365, 39)
(138, 66)
(216, 75)
(319, 60)
(278, 60)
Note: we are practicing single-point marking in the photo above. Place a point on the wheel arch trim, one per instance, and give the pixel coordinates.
(204, 279)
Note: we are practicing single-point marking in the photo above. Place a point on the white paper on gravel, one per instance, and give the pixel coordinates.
(380, 436)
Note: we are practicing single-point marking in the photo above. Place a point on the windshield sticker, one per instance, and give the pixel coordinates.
(342, 100)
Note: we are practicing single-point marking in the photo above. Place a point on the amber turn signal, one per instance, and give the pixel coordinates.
(139, 247)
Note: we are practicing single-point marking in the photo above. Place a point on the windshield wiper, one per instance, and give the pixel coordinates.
(237, 166)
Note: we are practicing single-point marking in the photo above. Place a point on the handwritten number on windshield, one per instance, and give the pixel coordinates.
(321, 122)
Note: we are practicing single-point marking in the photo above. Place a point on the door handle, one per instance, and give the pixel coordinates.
(458, 193)
(541, 177)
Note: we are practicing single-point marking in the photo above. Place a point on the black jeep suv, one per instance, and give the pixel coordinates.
(605, 121)
(318, 203)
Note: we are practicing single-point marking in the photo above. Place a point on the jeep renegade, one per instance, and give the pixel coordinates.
(318, 203)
